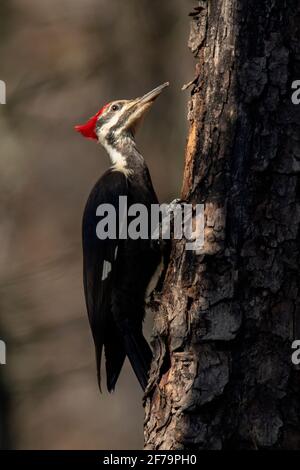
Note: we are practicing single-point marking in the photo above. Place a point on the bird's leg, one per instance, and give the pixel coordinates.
(168, 214)
(172, 205)
(174, 217)
(171, 223)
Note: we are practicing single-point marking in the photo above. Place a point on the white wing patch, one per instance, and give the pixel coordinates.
(116, 252)
(106, 270)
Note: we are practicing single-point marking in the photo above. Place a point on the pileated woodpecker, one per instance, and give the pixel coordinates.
(118, 272)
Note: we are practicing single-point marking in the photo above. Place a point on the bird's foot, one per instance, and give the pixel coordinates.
(177, 202)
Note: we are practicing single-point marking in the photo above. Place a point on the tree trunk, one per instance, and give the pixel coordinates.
(222, 376)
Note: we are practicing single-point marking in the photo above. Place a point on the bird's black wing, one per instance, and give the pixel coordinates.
(99, 260)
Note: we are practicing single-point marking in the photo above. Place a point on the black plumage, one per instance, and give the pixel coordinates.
(116, 304)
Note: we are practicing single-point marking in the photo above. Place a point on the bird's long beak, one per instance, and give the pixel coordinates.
(151, 95)
(139, 106)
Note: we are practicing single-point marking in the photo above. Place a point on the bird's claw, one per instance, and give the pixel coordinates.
(173, 204)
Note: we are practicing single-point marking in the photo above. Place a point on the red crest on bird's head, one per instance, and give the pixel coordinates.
(88, 129)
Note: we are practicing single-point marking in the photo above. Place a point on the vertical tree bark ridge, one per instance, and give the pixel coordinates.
(222, 375)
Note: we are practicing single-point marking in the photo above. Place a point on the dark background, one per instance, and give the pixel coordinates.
(61, 61)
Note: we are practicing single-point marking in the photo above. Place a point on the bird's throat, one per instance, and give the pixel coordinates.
(118, 160)
(124, 157)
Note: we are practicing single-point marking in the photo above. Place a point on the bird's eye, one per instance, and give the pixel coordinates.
(115, 107)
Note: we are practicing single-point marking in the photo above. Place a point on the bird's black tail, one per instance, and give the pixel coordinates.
(114, 355)
(132, 343)
(139, 354)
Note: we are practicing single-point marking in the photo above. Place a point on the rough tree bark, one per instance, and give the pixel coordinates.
(222, 376)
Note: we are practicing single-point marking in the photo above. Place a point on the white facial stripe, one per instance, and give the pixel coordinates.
(118, 160)
(116, 157)
(112, 122)
(104, 130)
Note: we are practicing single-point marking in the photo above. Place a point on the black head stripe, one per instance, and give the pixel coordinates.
(102, 120)
(122, 121)
(110, 138)
(108, 115)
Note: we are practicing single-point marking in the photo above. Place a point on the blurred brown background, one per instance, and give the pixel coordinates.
(61, 60)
